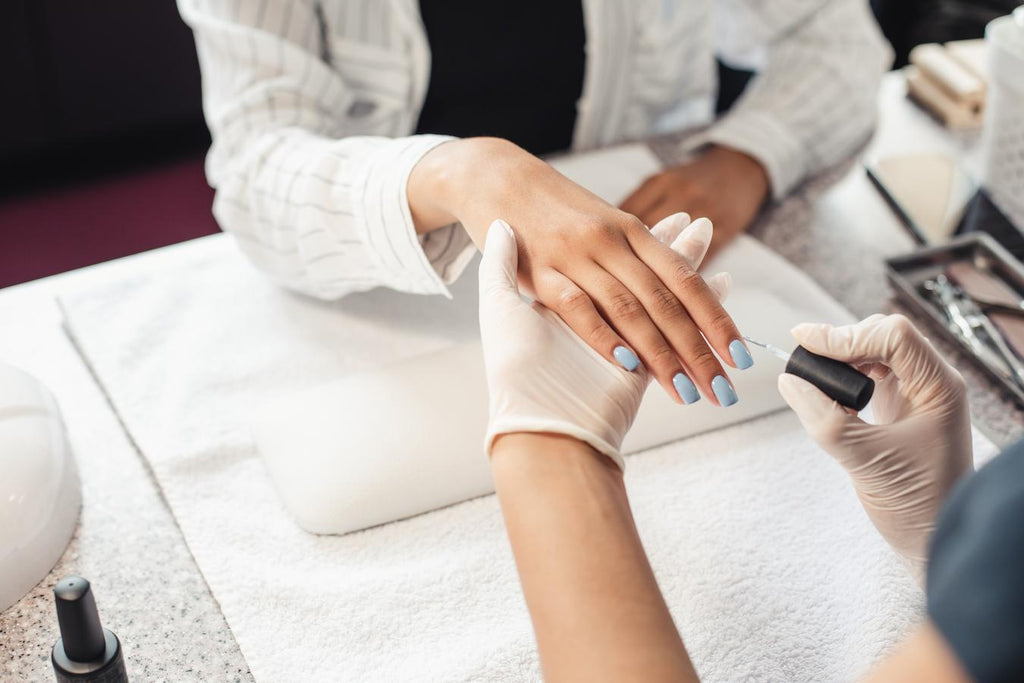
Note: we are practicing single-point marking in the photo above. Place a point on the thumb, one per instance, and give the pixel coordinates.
(498, 279)
(824, 419)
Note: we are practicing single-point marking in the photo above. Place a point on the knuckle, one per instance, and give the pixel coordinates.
(688, 278)
(600, 334)
(601, 232)
(663, 355)
(572, 300)
(701, 357)
(625, 306)
(664, 303)
(632, 224)
(901, 325)
(720, 321)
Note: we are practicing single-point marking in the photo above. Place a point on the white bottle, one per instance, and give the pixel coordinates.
(1004, 119)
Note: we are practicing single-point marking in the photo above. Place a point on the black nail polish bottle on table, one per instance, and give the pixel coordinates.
(85, 652)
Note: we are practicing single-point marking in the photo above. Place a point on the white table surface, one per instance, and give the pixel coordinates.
(149, 589)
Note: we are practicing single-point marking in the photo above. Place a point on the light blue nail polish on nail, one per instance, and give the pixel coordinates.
(724, 392)
(685, 388)
(626, 358)
(740, 355)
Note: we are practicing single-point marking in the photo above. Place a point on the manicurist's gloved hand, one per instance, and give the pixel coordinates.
(542, 376)
(904, 465)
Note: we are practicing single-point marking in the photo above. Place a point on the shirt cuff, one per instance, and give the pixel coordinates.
(449, 250)
(381, 207)
(761, 136)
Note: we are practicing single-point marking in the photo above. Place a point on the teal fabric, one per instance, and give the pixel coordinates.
(976, 570)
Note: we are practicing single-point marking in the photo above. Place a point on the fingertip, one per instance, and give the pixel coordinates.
(721, 285)
(787, 384)
(500, 258)
(802, 398)
(501, 241)
(784, 385)
(626, 358)
(724, 392)
(503, 226)
(791, 386)
(686, 390)
(698, 230)
(693, 242)
(806, 330)
(702, 221)
(668, 229)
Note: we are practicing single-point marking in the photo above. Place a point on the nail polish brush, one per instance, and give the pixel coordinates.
(841, 382)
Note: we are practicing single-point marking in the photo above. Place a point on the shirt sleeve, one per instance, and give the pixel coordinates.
(318, 206)
(976, 570)
(813, 99)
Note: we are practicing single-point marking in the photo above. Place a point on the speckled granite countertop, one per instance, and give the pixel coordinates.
(149, 589)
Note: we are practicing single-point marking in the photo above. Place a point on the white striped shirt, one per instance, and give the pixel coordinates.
(312, 105)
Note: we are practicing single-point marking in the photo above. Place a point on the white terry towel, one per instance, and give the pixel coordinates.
(769, 566)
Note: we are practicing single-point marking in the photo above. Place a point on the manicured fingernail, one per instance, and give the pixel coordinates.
(740, 355)
(685, 388)
(626, 358)
(724, 392)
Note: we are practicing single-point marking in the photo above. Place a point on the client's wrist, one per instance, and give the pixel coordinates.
(452, 176)
(742, 170)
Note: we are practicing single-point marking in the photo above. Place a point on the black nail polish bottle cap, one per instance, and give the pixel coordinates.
(85, 651)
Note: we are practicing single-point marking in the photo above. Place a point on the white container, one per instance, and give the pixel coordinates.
(39, 487)
(1004, 119)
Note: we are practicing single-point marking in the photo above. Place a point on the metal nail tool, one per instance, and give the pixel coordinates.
(967, 321)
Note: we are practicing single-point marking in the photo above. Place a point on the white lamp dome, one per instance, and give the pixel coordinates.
(40, 494)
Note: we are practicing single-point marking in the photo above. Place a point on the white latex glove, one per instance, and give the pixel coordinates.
(904, 465)
(544, 378)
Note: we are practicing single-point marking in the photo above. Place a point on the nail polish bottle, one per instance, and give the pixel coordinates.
(85, 650)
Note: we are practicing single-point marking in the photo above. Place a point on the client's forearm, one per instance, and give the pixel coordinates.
(596, 608)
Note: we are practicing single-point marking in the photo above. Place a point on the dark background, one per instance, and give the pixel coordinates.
(102, 135)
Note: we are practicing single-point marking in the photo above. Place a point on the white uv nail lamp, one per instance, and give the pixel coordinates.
(40, 495)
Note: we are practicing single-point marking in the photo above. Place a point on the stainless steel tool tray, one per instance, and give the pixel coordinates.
(907, 273)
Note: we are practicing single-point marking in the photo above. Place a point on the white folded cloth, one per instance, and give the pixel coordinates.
(767, 561)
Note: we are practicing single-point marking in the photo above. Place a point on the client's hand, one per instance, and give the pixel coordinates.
(723, 184)
(623, 292)
(544, 378)
(904, 465)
